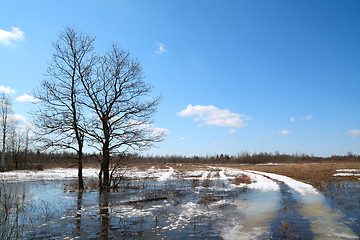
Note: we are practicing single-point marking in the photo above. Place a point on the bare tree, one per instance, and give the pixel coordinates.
(118, 98)
(16, 145)
(5, 114)
(60, 121)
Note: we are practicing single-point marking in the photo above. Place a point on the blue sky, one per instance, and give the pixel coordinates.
(255, 76)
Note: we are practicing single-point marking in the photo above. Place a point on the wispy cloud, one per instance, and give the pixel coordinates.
(7, 38)
(149, 128)
(292, 119)
(232, 130)
(182, 138)
(27, 98)
(353, 133)
(19, 117)
(21, 120)
(6, 90)
(308, 117)
(285, 132)
(162, 49)
(212, 115)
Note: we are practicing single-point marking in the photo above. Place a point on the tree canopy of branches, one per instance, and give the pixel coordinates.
(122, 111)
(100, 98)
(60, 121)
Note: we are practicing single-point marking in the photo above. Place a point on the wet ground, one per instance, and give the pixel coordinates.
(173, 205)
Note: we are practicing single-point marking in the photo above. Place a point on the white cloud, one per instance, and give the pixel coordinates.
(353, 133)
(292, 119)
(27, 98)
(232, 131)
(182, 138)
(161, 49)
(19, 117)
(212, 115)
(308, 117)
(6, 90)
(21, 120)
(156, 132)
(159, 132)
(7, 38)
(285, 132)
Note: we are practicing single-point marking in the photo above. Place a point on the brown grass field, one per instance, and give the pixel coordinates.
(312, 173)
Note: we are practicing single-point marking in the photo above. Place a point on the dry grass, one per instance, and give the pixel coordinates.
(241, 179)
(305, 172)
(207, 199)
(308, 172)
(206, 183)
(74, 186)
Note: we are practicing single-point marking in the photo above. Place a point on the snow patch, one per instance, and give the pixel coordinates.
(297, 186)
(348, 170)
(347, 173)
(47, 175)
(165, 176)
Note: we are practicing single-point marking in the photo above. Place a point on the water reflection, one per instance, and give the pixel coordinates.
(78, 213)
(326, 223)
(104, 214)
(251, 216)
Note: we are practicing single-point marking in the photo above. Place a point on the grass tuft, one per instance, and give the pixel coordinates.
(241, 179)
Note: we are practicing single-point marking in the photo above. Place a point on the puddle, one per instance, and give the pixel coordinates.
(326, 223)
(293, 225)
(251, 216)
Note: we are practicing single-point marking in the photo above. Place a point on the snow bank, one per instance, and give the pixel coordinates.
(346, 174)
(47, 175)
(165, 176)
(258, 182)
(299, 187)
(348, 170)
(262, 183)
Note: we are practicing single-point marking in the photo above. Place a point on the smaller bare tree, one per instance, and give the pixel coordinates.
(5, 123)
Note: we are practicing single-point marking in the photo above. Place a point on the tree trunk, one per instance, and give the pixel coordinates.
(3, 167)
(106, 157)
(105, 167)
(80, 176)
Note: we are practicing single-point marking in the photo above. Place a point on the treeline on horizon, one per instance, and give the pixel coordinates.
(42, 160)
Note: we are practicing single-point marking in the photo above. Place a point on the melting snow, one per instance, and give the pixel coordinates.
(348, 170)
(299, 187)
(49, 174)
(347, 173)
(165, 176)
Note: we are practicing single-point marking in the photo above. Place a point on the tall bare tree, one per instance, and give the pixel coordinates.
(60, 121)
(122, 111)
(5, 114)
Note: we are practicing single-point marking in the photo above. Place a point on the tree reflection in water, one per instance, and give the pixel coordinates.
(104, 214)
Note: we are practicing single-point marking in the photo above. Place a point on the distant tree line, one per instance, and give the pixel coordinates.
(42, 160)
(245, 158)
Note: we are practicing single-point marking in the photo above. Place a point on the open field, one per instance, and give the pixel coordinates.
(305, 172)
(182, 201)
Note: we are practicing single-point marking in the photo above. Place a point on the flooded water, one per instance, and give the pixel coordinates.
(166, 204)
